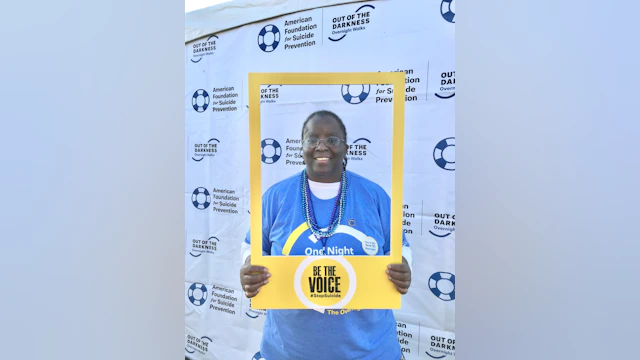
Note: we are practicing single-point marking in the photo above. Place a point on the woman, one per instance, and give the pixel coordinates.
(324, 196)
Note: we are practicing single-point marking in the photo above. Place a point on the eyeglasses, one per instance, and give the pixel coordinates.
(331, 141)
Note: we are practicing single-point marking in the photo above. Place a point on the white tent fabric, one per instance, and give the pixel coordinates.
(213, 19)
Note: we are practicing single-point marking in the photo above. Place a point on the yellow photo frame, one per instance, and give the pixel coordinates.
(364, 277)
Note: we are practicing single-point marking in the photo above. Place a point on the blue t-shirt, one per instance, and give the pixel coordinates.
(346, 334)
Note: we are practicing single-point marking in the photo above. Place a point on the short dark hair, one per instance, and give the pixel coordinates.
(325, 113)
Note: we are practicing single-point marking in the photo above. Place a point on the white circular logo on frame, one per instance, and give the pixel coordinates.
(308, 261)
(370, 245)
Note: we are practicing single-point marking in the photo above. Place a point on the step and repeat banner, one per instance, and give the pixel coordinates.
(415, 37)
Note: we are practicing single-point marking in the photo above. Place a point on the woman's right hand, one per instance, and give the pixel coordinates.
(253, 278)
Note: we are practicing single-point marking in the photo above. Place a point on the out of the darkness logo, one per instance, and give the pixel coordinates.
(435, 357)
(270, 94)
(443, 285)
(444, 154)
(201, 246)
(358, 150)
(204, 48)
(355, 94)
(269, 38)
(197, 294)
(443, 225)
(271, 151)
(200, 100)
(448, 10)
(257, 356)
(201, 344)
(447, 85)
(441, 345)
(201, 198)
(254, 313)
(208, 149)
(352, 22)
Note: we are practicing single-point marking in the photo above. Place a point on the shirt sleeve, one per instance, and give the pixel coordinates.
(384, 209)
(407, 254)
(269, 212)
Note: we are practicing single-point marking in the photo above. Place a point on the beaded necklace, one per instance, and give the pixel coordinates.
(320, 233)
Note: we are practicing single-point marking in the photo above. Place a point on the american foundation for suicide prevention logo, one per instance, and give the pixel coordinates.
(443, 285)
(257, 356)
(223, 200)
(269, 38)
(355, 94)
(200, 100)
(297, 32)
(271, 151)
(201, 198)
(197, 294)
(444, 154)
(448, 10)
(327, 282)
(201, 345)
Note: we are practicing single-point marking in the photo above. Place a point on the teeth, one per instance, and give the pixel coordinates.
(322, 158)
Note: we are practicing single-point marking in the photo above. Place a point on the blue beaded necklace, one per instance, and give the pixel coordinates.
(320, 233)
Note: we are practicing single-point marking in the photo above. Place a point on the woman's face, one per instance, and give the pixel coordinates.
(324, 162)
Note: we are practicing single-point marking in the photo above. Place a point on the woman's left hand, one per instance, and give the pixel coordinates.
(400, 276)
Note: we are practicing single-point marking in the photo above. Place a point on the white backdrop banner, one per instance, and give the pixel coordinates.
(415, 37)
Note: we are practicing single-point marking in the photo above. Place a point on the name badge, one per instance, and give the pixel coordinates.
(370, 246)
